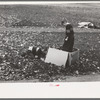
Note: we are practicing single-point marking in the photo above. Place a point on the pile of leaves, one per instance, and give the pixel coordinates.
(15, 67)
(19, 68)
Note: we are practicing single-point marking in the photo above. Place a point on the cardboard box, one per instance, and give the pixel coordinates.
(60, 57)
(73, 56)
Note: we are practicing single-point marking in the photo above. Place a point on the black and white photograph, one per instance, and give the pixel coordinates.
(49, 42)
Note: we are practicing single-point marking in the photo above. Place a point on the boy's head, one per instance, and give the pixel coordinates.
(66, 24)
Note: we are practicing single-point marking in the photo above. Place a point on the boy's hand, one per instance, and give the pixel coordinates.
(66, 38)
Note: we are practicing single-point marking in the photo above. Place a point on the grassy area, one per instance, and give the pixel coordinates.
(53, 14)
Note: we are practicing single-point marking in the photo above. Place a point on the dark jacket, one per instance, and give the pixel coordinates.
(69, 39)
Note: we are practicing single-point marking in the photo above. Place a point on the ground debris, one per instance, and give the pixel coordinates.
(15, 67)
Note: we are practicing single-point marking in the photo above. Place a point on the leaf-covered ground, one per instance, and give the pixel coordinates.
(46, 31)
(15, 67)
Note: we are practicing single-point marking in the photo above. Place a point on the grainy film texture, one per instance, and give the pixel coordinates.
(50, 42)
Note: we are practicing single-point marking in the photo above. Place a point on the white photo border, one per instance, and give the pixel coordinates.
(49, 89)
